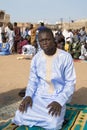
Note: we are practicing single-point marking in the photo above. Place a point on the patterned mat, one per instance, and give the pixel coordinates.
(75, 119)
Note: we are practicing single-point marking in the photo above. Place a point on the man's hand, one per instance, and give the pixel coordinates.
(27, 101)
(54, 108)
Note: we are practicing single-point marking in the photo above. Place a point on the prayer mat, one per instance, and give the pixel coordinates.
(77, 60)
(75, 119)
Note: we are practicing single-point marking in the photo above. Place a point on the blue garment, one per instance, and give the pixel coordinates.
(4, 49)
(41, 28)
(52, 78)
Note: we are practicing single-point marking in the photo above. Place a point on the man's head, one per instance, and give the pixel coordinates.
(42, 23)
(15, 24)
(60, 41)
(31, 26)
(46, 41)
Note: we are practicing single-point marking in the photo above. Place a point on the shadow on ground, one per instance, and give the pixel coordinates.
(9, 97)
(80, 96)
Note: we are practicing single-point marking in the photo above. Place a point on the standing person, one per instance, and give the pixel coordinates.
(10, 35)
(51, 84)
(6, 27)
(82, 35)
(1, 32)
(41, 27)
(32, 34)
(17, 36)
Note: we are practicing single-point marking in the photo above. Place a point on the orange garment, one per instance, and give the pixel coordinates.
(33, 36)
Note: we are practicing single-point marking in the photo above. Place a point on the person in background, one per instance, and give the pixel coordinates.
(6, 28)
(28, 51)
(17, 36)
(82, 34)
(1, 32)
(10, 36)
(41, 27)
(60, 41)
(25, 33)
(4, 47)
(51, 84)
(22, 42)
(83, 55)
(32, 34)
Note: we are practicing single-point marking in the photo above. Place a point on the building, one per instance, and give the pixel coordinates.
(4, 18)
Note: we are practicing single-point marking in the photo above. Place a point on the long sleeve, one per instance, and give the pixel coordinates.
(70, 81)
(33, 80)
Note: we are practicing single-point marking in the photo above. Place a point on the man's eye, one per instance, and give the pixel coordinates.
(44, 40)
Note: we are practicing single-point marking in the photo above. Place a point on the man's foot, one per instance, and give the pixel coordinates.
(22, 93)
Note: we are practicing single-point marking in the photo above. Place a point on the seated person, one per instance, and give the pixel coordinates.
(51, 84)
(67, 45)
(28, 51)
(60, 42)
(4, 47)
(75, 50)
(83, 55)
(21, 44)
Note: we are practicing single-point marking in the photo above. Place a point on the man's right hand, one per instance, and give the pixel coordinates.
(27, 102)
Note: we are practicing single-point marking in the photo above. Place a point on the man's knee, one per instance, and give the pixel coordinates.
(55, 124)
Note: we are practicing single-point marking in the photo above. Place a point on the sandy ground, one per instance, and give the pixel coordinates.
(14, 77)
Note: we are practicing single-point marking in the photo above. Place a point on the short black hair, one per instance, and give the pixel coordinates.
(41, 23)
(15, 23)
(47, 30)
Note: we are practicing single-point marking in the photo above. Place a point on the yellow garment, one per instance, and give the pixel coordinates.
(67, 47)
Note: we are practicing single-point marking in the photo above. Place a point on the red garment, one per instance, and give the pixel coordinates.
(17, 33)
(20, 45)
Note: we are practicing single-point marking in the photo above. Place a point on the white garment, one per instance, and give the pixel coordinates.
(10, 34)
(55, 73)
(68, 36)
(0, 34)
(83, 53)
(28, 50)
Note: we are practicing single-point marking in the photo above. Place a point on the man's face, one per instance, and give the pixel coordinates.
(46, 41)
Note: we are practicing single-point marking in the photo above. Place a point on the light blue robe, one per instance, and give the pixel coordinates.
(52, 78)
(4, 49)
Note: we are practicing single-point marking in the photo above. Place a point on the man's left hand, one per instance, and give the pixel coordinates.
(54, 108)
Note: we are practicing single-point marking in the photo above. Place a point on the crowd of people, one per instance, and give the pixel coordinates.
(72, 41)
(75, 42)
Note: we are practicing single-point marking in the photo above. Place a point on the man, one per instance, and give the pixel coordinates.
(17, 36)
(41, 27)
(1, 32)
(32, 34)
(83, 55)
(51, 84)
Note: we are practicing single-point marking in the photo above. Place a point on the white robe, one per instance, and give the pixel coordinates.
(52, 78)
